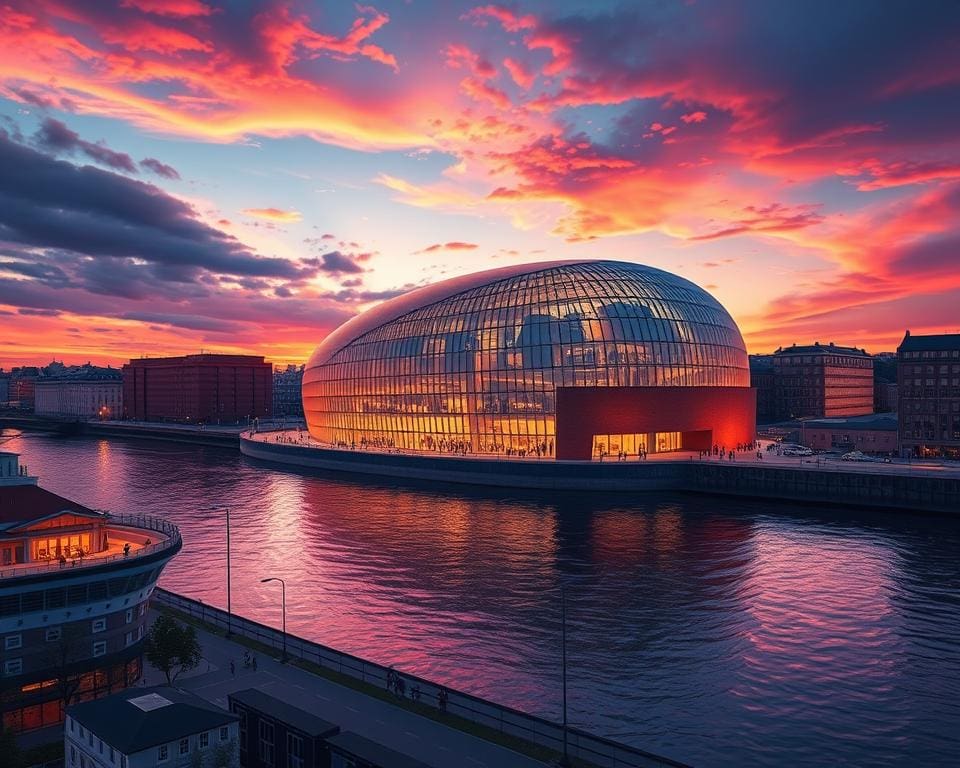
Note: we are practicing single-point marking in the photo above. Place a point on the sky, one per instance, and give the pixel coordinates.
(244, 176)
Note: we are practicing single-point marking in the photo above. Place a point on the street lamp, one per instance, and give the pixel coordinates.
(283, 598)
(563, 645)
(229, 609)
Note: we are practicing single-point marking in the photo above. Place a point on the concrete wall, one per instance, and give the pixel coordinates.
(884, 488)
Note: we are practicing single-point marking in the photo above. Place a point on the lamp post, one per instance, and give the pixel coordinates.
(229, 608)
(563, 646)
(283, 599)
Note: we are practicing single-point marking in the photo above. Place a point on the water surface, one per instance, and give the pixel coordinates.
(719, 632)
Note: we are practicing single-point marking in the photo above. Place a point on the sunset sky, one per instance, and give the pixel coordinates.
(178, 175)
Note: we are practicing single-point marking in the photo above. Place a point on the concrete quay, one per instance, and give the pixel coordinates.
(917, 486)
(352, 692)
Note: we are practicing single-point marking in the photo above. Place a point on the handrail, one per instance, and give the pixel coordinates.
(596, 750)
(144, 522)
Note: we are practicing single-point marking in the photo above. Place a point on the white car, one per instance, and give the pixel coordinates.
(797, 451)
(858, 456)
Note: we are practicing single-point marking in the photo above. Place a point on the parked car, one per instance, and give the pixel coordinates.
(858, 456)
(797, 450)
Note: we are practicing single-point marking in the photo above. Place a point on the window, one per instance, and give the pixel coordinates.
(243, 730)
(294, 751)
(143, 608)
(184, 746)
(100, 648)
(204, 740)
(73, 754)
(13, 666)
(163, 754)
(12, 642)
(266, 743)
(54, 633)
(129, 615)
(111, 754)
(99, 625)
(224, 733)
(128, 639)
(101, 746)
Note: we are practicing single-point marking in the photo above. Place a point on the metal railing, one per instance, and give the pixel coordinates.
(601, 752)
(144, 522)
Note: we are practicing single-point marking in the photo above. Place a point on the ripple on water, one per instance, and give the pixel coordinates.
(715, 631)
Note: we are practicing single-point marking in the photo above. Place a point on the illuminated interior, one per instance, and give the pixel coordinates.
(471, 365)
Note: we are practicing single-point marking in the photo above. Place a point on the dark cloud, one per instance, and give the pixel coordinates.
(39, 312)
(161, 169)
(52, 204)
(56, 137)
(337, 263)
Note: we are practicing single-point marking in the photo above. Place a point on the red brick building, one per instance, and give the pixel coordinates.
(205, 388)
(822, 381)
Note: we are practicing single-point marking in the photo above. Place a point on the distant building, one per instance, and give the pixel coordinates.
(204, 388)
(874, 433)
(929, 394)
(148, 727)
(822, 380)
(84, 392)
(287, 392)
(21, 387)
(4, 388)
(762, 380)
(74, 588)
(885, 382)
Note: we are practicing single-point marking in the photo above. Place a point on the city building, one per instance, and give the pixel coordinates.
(4, 388)
(74, 587)
(929, 395)
(351, 750)
(566, 359)
(273, 732)
(873, 434)
(150, 727)
(287, 392)
(83, 392)
(762, 380)
(822, 380)
(204, 388)
(21, 387)
(885, 398)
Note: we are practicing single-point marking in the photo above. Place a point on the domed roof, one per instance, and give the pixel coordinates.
(641, 281)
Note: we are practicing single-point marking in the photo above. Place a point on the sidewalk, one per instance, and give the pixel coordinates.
(420, 737)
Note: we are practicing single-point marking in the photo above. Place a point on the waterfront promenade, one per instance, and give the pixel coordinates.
(352, 693)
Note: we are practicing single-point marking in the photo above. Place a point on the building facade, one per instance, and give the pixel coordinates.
(762, 380)
(74, 588)
(567, 360)
(874, 434)
(87, 392)
(205, 388)
(21, 386)
(929, 395)
(822, 380)
(160, 727)
(288, 392)
(4, 388)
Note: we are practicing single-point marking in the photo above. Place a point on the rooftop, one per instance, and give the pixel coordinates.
(369, 751)
(140, 718)
(303, 721)
(821, 349)
(930, 343)
(21, 503)
(874, 421)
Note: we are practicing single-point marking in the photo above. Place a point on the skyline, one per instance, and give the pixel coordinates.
(176, 175)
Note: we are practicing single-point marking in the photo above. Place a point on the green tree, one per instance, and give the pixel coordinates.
(172, 647)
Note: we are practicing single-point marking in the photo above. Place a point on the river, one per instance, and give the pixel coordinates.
(715, 631)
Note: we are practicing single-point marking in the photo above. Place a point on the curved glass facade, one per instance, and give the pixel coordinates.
(472, 365)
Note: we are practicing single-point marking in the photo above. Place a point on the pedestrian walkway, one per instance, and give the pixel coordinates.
(393, 726)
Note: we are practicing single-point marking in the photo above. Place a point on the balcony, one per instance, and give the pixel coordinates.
(129, 537)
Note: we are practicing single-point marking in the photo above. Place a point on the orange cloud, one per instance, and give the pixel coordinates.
(274, 214)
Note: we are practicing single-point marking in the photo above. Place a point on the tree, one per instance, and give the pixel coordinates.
(172, 647)
(223, 754)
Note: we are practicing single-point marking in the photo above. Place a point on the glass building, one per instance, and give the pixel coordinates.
(515, 361)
